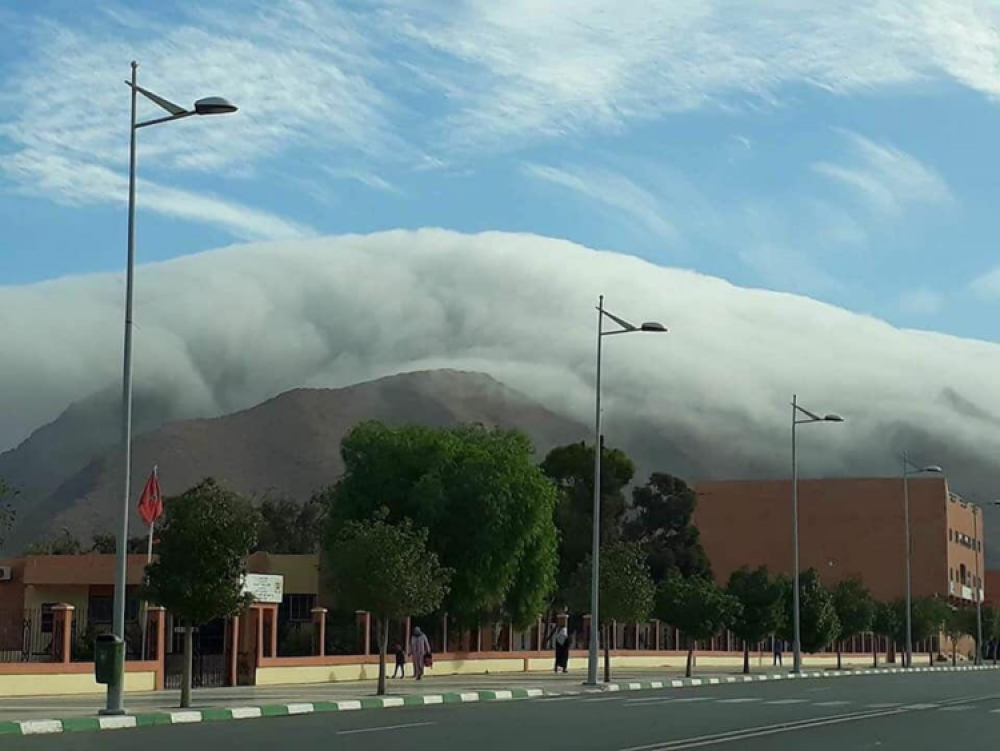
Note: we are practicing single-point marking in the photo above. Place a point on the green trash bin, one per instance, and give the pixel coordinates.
(109, 658)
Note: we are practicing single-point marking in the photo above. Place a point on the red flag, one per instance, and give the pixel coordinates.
(151, 502)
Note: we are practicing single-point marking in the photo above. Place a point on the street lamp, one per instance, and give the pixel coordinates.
(650, 327)
(800, 416)
(208, 106)
(909, 468)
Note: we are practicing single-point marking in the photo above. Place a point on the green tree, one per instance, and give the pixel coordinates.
(8, 513)
(760, 607)
(662, 520)
(627, 591)
(960, 622)
(571, 468)
(290, 527)
(107, 544)
(928, 616)
(387, 570)
(855, 610)
(205, 536)
(885, 622)
(488, 508)
(63, 543)
(696, 606)
(818, 620)
(991, 632)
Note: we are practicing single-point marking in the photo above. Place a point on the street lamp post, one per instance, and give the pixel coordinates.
(650, 327)
(909, 468)
(800, 416)
(208, 106)
(976, 589)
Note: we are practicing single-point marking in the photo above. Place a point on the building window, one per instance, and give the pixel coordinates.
(296, 608)
(951, 535)
(951, 574)
(47, 619)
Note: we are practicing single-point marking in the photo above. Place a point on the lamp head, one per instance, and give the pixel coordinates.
(653, 327)
(214, 105)
(932, 468)
(832, 417)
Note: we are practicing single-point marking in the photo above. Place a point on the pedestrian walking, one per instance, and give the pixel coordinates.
(420, 652)
(400, 671)
(779, 647)
(562, 650)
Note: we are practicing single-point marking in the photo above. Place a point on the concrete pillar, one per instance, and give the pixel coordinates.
(540, 635)
(260, 633)
(62, 632)
(444, 632)
(637, 637)
(274, 630)
(233, 676)
(364, 620)
(510, 637)
(655, 625)
(319, 630)
(587, 625)
(158, 624)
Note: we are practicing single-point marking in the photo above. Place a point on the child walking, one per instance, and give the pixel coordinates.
(400, 671)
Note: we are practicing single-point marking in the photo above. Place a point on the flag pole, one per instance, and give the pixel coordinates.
(149, 560)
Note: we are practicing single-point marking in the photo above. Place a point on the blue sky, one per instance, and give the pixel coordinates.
(841, 150)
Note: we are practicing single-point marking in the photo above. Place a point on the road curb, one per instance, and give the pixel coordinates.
(223, 714)
(761, 677)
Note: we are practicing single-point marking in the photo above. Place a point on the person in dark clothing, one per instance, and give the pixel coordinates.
(779, 647)
(562, 650)
(400, 671)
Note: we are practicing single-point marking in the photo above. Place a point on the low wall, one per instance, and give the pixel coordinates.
(52, 679)
(276, 671)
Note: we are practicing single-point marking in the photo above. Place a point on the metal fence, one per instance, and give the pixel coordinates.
(26, 635)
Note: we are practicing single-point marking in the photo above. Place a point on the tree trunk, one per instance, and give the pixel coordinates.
(840, 647)
(954, 653)
(188, 657)
(383, 647)
(690, 659)
(746, 657)
(607, 654)
(874, 651)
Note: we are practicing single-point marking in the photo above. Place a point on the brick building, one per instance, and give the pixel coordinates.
(846, 527)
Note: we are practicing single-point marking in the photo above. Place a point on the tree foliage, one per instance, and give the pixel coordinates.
(886, 620)
(697, 606)
(662, 514)
(960, 622)
(855, 610)
(8, 513)
(289, 527)
(387, 570)
(928, 617)
(626, 590)
(760, 599)
(205, 536)
(818, 621)
(106, 544)
(488, 508)
(571, 468)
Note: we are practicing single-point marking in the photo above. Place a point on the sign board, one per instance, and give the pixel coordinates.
(265, 587)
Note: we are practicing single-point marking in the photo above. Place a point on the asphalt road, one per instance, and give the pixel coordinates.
(930, 711)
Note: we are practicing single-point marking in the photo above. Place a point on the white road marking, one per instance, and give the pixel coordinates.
(787, 701)
(503, 695)
(921, 706)
(839, 703)
(605, 698)
(386, 727)
(885, 705)
(433, 699)
(301, 708)
(181, 718)
(693, 699)
(115, 723)
(348, 705)
(41, 727)
(960, 708)
(741, 700)
(244, 713)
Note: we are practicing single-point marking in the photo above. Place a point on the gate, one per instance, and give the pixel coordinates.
(208, 664)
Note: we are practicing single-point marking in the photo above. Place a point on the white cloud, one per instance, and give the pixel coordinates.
(987, 285)
(921, 301)
(610, 189)
(531, 68)
(78, 182)
(886, 178)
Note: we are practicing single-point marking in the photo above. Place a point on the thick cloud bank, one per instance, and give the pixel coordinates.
(229, 328)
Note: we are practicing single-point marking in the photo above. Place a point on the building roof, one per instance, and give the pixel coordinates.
(89, 569)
